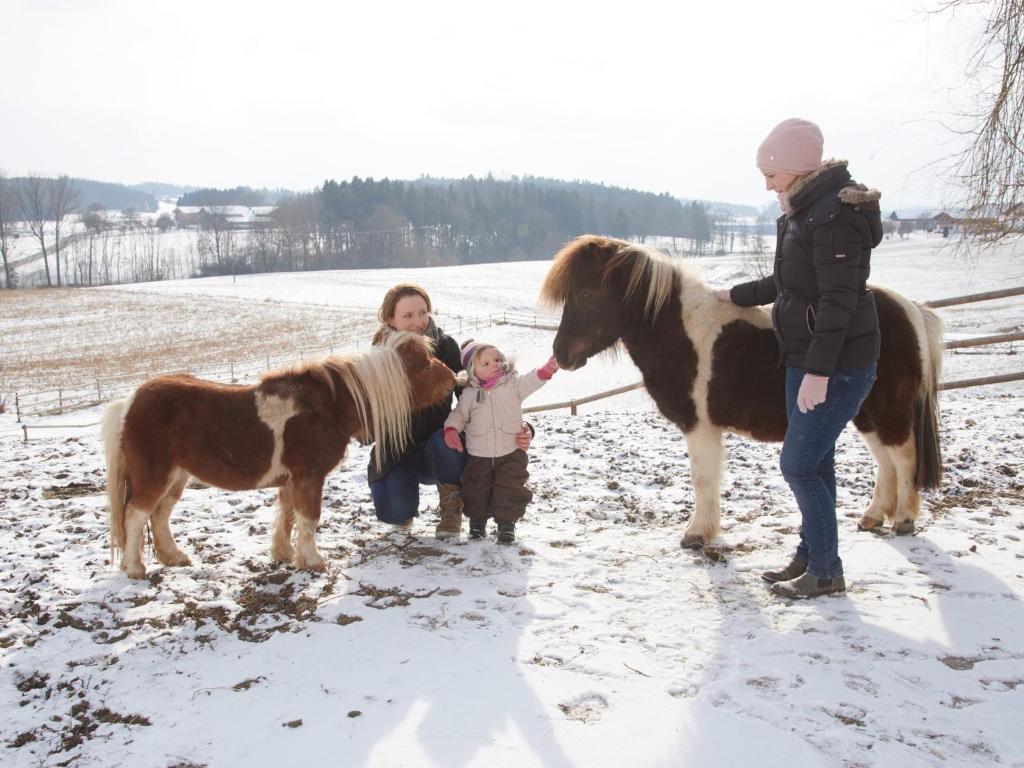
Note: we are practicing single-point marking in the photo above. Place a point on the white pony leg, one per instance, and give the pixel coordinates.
(307, 556)
(706, 454)
(883, 502)
(281, 549)
(908, 499)
(134, 529)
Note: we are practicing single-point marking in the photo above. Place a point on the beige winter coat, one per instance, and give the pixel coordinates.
(491, 418)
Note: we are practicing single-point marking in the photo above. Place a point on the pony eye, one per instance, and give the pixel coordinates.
(586, 295)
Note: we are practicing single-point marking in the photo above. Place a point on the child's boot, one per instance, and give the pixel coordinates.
(477, 529)
(506, 533)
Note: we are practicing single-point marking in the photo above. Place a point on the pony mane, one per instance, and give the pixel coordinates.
(649, 271)
(379, 385)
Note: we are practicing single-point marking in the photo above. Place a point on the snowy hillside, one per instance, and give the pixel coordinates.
(594, 641)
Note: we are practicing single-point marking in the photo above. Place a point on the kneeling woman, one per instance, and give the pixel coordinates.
(395, 485)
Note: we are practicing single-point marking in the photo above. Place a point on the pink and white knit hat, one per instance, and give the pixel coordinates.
(793, 146)
(470, 349)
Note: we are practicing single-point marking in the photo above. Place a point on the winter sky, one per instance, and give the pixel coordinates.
(664, 97)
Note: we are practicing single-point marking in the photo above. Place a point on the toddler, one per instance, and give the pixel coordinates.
(490, 412)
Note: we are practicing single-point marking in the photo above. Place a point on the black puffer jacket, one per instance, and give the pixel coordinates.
(823, 314)
(429, 420)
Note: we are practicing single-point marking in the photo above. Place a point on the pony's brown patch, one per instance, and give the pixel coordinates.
(747, 389)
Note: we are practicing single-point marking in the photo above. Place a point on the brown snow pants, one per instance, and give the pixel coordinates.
(496, 487)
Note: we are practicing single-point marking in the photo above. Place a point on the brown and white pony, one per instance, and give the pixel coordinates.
(288, 431)
(712, 367)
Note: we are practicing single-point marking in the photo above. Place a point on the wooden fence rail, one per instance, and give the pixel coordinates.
(60, 400)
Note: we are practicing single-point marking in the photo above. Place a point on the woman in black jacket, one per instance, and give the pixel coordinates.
(827, 331)
(395, 485)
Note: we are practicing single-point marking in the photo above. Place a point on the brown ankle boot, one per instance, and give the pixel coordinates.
(796, 567)
(449, 524)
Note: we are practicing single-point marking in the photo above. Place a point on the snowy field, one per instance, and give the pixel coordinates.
(594, 641)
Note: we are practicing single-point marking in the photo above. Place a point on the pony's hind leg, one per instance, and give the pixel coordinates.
(883, 501)
(908, 499)
(704, 445)
(167, 551)
(134, 530)
(307, 494)
(281, 549)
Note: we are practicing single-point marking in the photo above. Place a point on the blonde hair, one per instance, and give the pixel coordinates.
(390, 304)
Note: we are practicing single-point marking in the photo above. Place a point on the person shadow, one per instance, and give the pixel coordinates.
(888, 672)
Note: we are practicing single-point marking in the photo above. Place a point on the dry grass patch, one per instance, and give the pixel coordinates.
(70, 337)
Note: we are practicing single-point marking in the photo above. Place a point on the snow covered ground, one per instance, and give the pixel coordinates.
(594, 641)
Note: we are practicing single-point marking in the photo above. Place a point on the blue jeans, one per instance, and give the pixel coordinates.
(808, 461)
(396, 496)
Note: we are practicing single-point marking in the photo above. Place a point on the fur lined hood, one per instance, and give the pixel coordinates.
(854, 194)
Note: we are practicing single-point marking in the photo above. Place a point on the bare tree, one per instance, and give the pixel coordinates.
(7, 233)
(63, 201)
(34, 202)
(991, 168)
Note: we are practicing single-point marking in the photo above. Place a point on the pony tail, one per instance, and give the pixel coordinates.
(117, 484)
(926, 407)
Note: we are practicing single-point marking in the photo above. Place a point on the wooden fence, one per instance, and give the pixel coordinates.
(108, 388)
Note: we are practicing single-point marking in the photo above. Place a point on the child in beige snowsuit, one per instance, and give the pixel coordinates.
(490, 412)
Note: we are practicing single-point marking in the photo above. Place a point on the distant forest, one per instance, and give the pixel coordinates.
(365, 223)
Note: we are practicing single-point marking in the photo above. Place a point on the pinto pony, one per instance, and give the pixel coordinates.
(712, 367)
(288, 431)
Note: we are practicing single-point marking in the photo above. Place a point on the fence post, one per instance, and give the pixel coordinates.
(99, 392)
(60, 401)
(572, 407)
(24, 431)
(17, 408)
(232, 372)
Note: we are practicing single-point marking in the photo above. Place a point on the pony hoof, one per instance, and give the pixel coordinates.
(692, 541)
(282, 555)
(868, 524)
(903, 527)
(177, 560)
(317, 566)
(135, 573)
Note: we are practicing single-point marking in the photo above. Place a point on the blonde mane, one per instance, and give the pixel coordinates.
(647, 267)
(380, 389)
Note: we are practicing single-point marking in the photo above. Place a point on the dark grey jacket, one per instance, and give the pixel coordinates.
(824, 316)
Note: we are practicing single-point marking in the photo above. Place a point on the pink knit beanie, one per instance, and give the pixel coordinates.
(793, 146)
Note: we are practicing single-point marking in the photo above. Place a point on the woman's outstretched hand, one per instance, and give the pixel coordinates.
(724, 294)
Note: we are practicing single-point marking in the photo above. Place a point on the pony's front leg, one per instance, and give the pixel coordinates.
(307, 495)
(705, 447)
(281, 549)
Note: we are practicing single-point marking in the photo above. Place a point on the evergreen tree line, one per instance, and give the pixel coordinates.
(365, 223)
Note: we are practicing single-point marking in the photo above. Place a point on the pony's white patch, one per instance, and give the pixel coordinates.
(274, 411)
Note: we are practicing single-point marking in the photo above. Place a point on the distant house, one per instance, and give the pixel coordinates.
(234, 216)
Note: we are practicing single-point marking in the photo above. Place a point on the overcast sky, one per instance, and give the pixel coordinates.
(655, 96)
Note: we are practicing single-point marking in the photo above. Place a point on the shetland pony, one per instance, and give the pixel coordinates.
(288, 431)
(712, 367)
